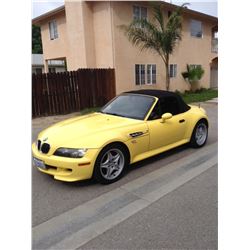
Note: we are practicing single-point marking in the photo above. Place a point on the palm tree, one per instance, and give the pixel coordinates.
(160, 36)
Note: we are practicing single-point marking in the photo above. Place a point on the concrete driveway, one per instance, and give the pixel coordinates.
(177, 211)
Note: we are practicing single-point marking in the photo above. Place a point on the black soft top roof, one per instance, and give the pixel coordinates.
(153, 92)
(162, 94)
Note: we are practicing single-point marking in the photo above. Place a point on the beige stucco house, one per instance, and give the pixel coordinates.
(86, 34)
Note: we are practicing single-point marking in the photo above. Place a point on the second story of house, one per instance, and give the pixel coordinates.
(88, 34)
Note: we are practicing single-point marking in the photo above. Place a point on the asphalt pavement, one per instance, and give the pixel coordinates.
(181, 216)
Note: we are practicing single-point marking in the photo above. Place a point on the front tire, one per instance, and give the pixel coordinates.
(199, 135)
(110, 164)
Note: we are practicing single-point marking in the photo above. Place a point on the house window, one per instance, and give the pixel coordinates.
(193, 66)
(139, 12)
(139, 74)
(151, 74)
(38, 70)
(52, 70)
(53, 30)
(172, 70)
(195, 28)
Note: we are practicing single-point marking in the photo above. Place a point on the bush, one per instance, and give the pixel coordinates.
(193, 73)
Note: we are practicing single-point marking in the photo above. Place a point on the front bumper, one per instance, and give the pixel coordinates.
(67, 169)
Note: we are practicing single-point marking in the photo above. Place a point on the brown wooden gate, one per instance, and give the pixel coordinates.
(70, 91)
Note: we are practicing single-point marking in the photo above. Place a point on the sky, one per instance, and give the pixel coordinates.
(209, 7)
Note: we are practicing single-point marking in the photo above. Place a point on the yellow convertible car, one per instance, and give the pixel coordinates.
(133, 126)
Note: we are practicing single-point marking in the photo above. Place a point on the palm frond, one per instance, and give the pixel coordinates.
(158, 14)
(147, 37)
(159, 35)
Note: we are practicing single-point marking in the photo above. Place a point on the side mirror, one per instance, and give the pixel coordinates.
(166, 116)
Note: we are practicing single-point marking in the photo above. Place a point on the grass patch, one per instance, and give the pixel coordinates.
(199, 96)
(89, 110)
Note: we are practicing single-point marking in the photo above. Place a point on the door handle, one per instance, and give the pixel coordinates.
(181, 121)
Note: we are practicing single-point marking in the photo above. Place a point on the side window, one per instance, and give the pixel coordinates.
(155, 114)
(170, 105)
(166, 105)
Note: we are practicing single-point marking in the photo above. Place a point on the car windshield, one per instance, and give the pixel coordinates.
(129, 105)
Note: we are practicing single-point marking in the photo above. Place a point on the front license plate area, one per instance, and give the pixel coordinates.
(40, 164)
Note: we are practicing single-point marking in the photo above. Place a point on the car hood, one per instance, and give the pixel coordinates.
(83, 129)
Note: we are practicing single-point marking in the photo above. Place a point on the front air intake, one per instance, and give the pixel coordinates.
(39, 145)
(45, 148)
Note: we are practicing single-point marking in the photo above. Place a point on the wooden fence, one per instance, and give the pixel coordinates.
(70, 91)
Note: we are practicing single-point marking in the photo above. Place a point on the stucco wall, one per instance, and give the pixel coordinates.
(190, 50)
(90, 36)
(56, 48)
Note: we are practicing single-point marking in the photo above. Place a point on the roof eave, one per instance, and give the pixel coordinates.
(192, 12)
(39, 19)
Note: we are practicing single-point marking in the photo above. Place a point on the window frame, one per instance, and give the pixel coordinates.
(158, 105)
(53, 29)
(145, 74)
(150, 75)
(38, 70)
(147, 113)
(140, 75)
(174, 75)
(140, 13)
(193, 66)
(190, 28)
(52, 69)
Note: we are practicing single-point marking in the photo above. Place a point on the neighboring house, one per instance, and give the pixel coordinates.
(38, 65)
(86, 34)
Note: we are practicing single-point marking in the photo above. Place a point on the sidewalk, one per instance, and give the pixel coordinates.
(214, 100)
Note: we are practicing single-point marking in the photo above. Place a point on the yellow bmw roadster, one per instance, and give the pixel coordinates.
(133, 126)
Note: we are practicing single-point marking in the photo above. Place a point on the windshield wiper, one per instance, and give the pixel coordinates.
(115, 114)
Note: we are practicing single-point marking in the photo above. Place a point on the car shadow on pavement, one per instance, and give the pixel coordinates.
(158, 157)
(82, 183)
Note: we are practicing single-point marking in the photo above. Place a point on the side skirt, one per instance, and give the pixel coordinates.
(158, 150)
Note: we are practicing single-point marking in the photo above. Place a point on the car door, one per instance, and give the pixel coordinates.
(168, 132)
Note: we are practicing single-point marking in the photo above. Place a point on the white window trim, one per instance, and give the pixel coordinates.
(55, 34)
(145, 74)
(175, 70)
(151, 73)
(140, 17)
(195, 65)
(140, 6)
(140, 75)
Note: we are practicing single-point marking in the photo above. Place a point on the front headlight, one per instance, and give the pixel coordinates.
(71, 152)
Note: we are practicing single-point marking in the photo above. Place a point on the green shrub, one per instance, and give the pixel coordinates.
(193, 74)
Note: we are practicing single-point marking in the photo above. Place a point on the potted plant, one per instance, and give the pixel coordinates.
(193, 76)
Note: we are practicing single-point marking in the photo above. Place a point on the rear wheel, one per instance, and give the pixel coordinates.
(110, 164)
(199, 135)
